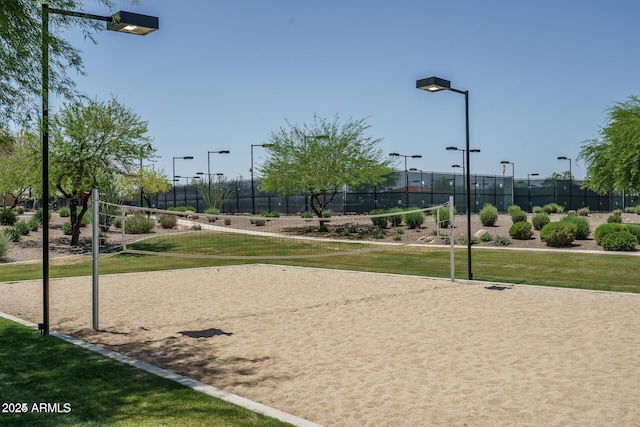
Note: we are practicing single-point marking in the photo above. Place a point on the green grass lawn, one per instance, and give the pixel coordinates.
(98, 390)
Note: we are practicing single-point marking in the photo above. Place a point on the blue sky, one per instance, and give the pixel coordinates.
(222, 74)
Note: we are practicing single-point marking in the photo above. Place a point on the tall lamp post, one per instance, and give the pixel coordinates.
(529, 175)
(570, 180)
(406, 173)
(209, 153)
(513, 179)
(124, 22)
(174, 175)
(253, 194)
(474, 150)
(436, 84)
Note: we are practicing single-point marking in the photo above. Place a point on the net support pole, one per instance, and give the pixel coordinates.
(95, 252)
(451, 225)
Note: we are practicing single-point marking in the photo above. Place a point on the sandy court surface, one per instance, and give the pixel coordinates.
(359, 349)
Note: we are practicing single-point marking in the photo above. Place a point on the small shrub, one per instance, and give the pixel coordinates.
(619, 241)
(64, 212)
(518, 216)
(630, 209)
(414, 219)
(8, 217)
(486, 237)
(182, 208)
(138, 224)
(167, 221)
(23, 228)
(34, 224)
(474, 240)
(306, 214)
(539, 220)
(67, 229)
(272, 214)
(537, 209)
(584, 211)
(572, 213)
(558, 234)
(605, 229)
(395, 220)
(259, 222)
(196, 227)
(488, 215)
(12, 234)
(583, 229)
(616, 212)
(552, 208)
(521, 230)
(511, 209)
(379, 221)
(379, 234)
(638, 209)
(39, 215)
(444, 214)
(613, 218)
(227, 221)
(397, 237)
(117, 222)
(501, 241)
(5, 244)
(327, 213)
(399, 231)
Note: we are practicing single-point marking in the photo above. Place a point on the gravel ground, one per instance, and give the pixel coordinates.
(30, 247)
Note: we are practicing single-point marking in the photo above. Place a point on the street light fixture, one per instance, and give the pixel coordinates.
(436, 84)
(253, 194)
(209, 153)
(570, 180)
(174, 175)
(513, 179)
(529, 175)
(406, 173)
(125, 22)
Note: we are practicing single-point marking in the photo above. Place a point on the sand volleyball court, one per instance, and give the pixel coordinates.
(360, 349)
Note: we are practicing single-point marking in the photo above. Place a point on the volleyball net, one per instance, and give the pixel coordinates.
(197, 235)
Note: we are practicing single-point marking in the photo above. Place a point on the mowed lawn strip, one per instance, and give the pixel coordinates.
(97, 390)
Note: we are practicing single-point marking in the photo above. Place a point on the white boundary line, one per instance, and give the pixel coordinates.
(185, 381)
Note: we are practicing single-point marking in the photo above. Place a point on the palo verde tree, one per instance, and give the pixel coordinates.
(19, 166)
(145, 182)
(613, 159)
(91, 140)
(318, 159)
(21, 53)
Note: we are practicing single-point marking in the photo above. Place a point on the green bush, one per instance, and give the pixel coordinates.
(615, 219)
(605, 229)
(379, 221)
(584, 211)
(306, 214)
(67, 228)
(558, 234)
(39, 214)
(638, 209)
(8, 217)
(634, 229)
(327, 213)
(521, 230)
(630, 209)
(539, 220)
(511, 209)
(117, 222)
(518, 216)
(414, 219)
(64, 212)
(444, 215)
(474, 240)
(395, 220)
(501, 241)
(12, 234)
(227, 221)
(34, 224)
(272, 214)
(537, 209)
(23, 228)
(583, 229)
(167, 221)
(572, 213)
(5, 244)
(616, 212)
(138, 224)
(619, 241)
(380, 234)
(488, 215)
(182, 208)
(486, 237)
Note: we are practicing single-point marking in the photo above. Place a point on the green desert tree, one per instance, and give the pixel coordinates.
(318, 159)
(21, 53)
(145, 183)
(19, 166)
(613, 159)
(90, 140)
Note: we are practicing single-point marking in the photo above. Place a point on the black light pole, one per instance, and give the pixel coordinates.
(436, 84)
(125, 22)
(406, 173)
(529, 175)
(253, 195)
(513, 179)
(174, 175)
(570, 180)
(209, 153)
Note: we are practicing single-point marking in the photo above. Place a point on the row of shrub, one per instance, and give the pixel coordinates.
(411, 219)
